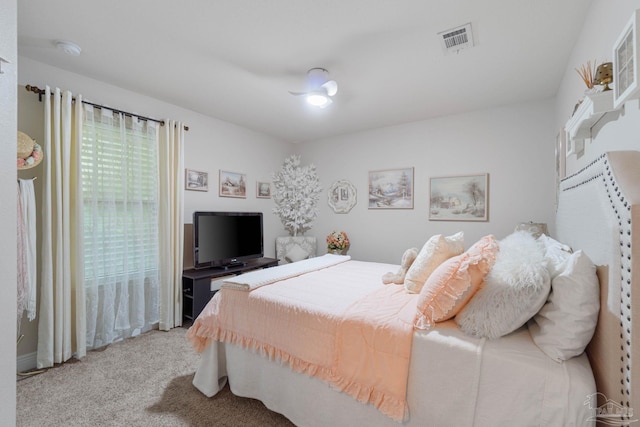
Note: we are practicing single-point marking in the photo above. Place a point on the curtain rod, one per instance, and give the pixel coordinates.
(40, 92)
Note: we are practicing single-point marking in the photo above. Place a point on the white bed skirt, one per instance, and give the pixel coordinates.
(513, 383)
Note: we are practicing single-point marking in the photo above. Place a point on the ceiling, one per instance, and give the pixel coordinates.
(237, 60)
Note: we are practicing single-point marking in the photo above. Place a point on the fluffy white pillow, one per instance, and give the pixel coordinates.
(513, 291)
(566, 323)
(296, 253)
(556, 253)
(435, 251)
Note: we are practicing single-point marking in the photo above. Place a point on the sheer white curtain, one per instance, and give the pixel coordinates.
(61, 324)
(121, 228)
(171, 223)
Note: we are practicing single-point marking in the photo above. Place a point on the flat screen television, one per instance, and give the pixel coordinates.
(224, 239)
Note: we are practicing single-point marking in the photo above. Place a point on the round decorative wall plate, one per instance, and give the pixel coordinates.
(341, 196)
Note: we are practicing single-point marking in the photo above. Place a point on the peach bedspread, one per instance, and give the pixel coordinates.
(339, 324)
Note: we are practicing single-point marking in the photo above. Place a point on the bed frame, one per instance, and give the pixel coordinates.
(599, 212)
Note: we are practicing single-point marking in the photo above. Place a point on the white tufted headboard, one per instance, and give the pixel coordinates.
(599, 212)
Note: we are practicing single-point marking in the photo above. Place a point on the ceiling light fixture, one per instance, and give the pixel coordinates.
(320, 88)
(318, 99)
(68, 47)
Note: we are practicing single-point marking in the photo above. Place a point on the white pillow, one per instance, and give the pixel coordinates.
(566, 323)
(513, 291)
(296, 253)
(557, 254)
(435, 251)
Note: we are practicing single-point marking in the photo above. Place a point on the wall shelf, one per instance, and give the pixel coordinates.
(592, 108)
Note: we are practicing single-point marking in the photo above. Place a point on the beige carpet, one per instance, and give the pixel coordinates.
(143, 381)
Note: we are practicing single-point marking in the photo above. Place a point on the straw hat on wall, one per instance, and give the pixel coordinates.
(29, 152)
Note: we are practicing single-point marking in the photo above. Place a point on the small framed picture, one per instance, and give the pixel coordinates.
(196, 180)
(561, 158)
(263, 190)
(459, 198)
(232, 184)
(626, 70)
(391, 189)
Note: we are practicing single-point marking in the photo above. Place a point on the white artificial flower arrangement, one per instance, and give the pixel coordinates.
(296, 193)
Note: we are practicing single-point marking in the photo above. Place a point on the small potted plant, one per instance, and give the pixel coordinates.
(338, 243)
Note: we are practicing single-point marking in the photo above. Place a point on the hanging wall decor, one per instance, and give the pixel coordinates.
(459, 198)
(342, 196)
(232, 184)
(626, 70)
(391, 189)
(196, 180)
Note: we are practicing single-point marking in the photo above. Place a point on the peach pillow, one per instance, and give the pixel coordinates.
(435, 251)
(454, 282)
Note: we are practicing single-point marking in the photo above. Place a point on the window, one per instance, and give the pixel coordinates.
(119, 166)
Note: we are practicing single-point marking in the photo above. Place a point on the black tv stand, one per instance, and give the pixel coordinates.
(196, 283)
(227, 267)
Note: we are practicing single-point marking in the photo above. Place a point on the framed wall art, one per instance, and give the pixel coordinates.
(561, 161)
(459, 198)
(232, 184)
(341, 196)
(263, 190)
(391, 189)
(626, 70)
(196, 180)
(561, 158)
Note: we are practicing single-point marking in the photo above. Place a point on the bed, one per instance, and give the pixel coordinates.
(450, 376)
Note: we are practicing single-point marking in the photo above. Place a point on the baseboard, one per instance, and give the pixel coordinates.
(26, 362)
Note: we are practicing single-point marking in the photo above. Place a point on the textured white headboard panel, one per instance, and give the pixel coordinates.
(586, 220)
(599, 212)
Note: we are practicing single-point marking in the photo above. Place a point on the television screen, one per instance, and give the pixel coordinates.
(226, 238)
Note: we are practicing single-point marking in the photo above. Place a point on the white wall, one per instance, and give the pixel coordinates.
(514, 145)
(604, 23)
(8, 124)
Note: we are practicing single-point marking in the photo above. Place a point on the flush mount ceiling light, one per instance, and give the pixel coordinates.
(320, 88)
(68, 47)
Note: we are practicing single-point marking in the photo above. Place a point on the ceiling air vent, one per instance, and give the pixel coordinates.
(456, 39)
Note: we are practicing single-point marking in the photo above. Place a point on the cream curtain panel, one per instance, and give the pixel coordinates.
(112, 237)
(61, 326)
(171, 156)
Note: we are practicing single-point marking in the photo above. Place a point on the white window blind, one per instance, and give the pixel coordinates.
(120, 192)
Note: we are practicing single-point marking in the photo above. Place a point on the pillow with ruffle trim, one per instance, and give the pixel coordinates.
(454, 282)
(435, 251)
